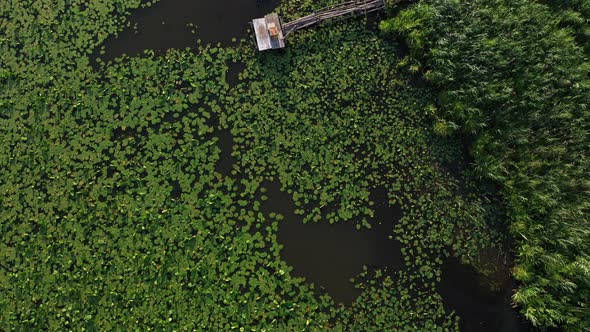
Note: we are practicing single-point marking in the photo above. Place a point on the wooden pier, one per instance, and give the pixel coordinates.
(271, 33)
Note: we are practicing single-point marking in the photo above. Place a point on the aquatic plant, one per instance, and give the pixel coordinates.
(118, 214)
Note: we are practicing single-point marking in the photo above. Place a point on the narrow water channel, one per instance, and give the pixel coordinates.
(226, 161)
(464, 290)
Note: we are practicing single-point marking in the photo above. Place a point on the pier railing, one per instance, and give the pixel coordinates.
(342, 10)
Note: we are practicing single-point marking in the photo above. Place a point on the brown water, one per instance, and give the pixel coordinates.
(327, 255)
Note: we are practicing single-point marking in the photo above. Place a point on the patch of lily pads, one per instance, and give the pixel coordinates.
(117, 217)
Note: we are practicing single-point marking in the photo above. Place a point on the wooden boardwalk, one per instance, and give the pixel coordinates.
(270, 32)
(342, 10)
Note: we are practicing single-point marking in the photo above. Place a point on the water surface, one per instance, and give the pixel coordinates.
(464, 290)
(329, 255)
(168, 23)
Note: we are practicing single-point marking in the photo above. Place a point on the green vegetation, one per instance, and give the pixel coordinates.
(513, 76)
(116, 214)
(575, 15)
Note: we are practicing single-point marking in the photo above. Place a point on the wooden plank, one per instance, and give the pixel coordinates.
(264, 40)
(262, 36)
(339, 11)
(277, 42)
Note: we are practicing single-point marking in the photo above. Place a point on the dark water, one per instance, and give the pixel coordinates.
(463, 289)
(226, 161)
(233, 73)
(165, 25)
(330, 255)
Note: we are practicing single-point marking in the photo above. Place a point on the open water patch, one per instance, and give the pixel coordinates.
(233, 73)
(181, 23)
(226, 161)
(329, 255)
(480, 309)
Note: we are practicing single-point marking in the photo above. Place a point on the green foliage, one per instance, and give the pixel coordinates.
(331, 130)
(574, 14)
(116, 216)
(512, 77)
